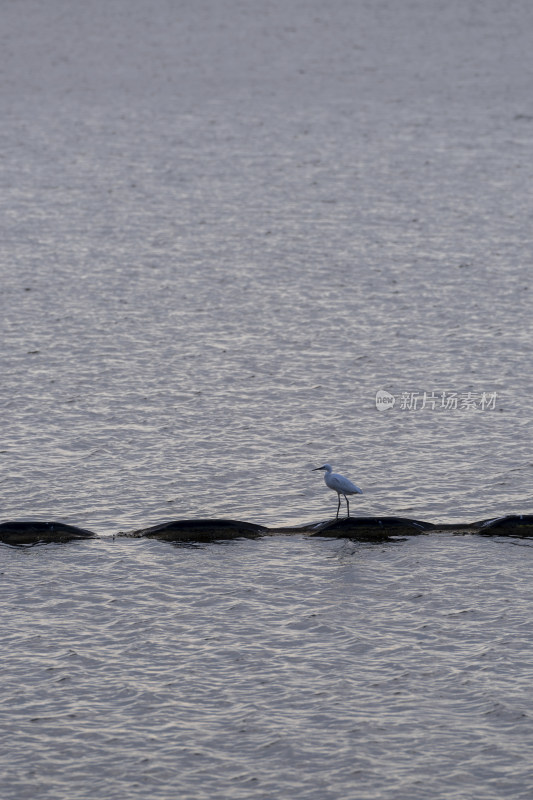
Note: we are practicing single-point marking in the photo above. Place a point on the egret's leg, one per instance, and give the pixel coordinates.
(338, 507)
(348, 504)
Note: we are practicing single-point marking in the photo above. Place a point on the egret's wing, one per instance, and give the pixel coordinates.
(341, 484)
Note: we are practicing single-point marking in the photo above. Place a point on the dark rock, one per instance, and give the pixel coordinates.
(35, 532)
(520, 525)
(200, 530)
(372, 528)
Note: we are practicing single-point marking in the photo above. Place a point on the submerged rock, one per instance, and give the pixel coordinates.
(28, 532)
(372, 528)
(35, 532)
(511, 525)
(200, 530)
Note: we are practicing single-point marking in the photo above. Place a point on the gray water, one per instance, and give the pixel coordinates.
(225, 227)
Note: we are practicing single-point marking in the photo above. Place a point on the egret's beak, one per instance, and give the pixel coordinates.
(316, 469)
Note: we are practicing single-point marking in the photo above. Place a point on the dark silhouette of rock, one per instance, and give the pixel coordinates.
(372, 528)
(201, 530)
(512, 525)
(35, 532)
(28, 532)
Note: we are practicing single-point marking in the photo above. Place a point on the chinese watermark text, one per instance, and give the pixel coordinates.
(436, 401)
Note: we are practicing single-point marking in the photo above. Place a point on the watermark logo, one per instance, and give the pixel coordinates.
(384, 400)
(436, 401)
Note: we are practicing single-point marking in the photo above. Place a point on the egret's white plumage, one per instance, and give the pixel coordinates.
(339, 484)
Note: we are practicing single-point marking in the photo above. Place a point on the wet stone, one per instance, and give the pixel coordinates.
(373, 528)
(28, 532)
(520, 525)
(200, 530)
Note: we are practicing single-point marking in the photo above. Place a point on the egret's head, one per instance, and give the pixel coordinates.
(325, 467)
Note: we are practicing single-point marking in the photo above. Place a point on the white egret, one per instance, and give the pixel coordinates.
(339, 484)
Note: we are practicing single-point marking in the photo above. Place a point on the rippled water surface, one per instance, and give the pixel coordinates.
(225, 227)
(278, 667)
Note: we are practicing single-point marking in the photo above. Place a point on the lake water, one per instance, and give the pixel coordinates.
(225, 227)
